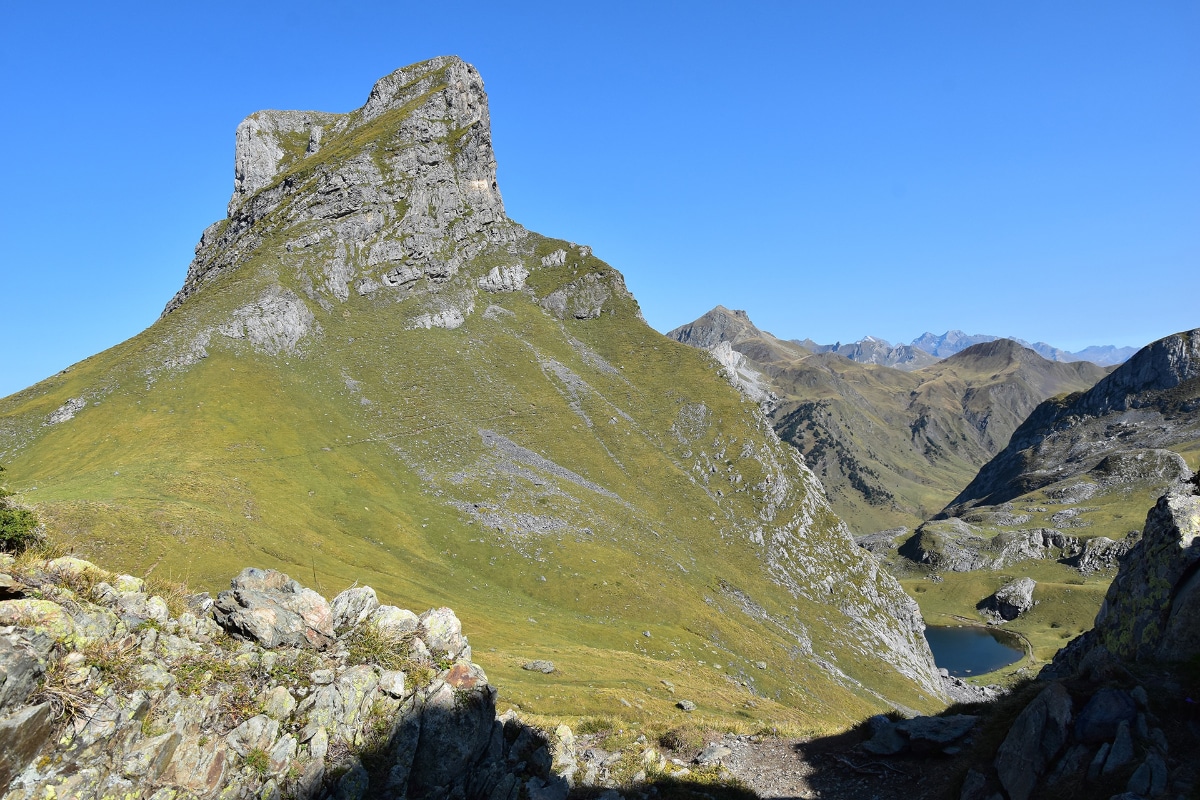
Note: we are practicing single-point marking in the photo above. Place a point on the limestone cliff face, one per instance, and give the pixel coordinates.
(401, 189)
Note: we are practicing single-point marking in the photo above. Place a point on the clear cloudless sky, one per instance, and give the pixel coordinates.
(837, 168)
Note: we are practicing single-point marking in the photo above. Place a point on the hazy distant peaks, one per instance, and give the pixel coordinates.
(733, 325)
(956, 341)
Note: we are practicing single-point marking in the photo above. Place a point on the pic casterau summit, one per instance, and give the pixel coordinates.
(371, 374)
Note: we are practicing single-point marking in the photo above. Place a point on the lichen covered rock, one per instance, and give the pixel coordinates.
(104, 692)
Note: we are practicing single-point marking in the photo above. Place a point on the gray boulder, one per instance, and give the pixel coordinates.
(1036, 737)
(1104, 712)
(919, 735)
(442, 633)
(268, 607)
(23, 734)
(353, 606)
(1009, 601)
(23, 654)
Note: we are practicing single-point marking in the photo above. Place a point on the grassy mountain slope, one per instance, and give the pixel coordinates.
(372, 375)
(892, 446)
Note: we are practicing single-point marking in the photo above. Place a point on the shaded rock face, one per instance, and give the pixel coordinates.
(1152, 608)
(1096, 726)
(101, 696)
(1119, 429)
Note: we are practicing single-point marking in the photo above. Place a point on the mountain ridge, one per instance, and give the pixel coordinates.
(1146, 404)
(888, 443)
(372, 374)
(929, 347)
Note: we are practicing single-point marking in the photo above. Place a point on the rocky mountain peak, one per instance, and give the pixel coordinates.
(407, 182)
(1161, 365)
(719, 325)
(998, 352)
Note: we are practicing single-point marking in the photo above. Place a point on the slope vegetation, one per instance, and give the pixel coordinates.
(372, 375)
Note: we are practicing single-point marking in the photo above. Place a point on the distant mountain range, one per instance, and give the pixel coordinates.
(930, 347)
(892, 432)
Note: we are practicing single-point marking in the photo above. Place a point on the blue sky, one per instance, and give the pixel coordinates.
(836, 168)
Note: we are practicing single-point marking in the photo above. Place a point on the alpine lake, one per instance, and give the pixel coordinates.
(972, 650)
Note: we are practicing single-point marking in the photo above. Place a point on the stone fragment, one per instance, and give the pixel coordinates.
(1121, 752)
(152, 676)
(885, 739)
(686, 705)
(394, 623)
(391, 682)
(1010, 601)
(280, 756)
(554, 789)
(563, 753)
(353, 606)
(23, 733)
(353, 785)
(1035, 738)
(340, 706)
(198, 767)
(127, 583)
(465, 675)
(21, 666)
(1106, 709)
(42, 616)
(442, 633)
(539, 666)
(147, 759)
(712, 754)
(931, 734)
(318, 745)
(257, 733)
(270, 608)
(277, 703)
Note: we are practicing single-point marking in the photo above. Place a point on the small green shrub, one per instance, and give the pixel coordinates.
(258, 760)
(682, 738)
(369, 645)
(18, 526)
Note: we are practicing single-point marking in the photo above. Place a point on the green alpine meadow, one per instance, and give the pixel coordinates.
(371, 375)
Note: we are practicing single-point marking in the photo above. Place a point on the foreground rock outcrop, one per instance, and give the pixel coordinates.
(108, 689)
(1113, 715)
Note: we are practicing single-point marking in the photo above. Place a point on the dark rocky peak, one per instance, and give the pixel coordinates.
(1158, 366)
(997, 352)
(719, 325)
